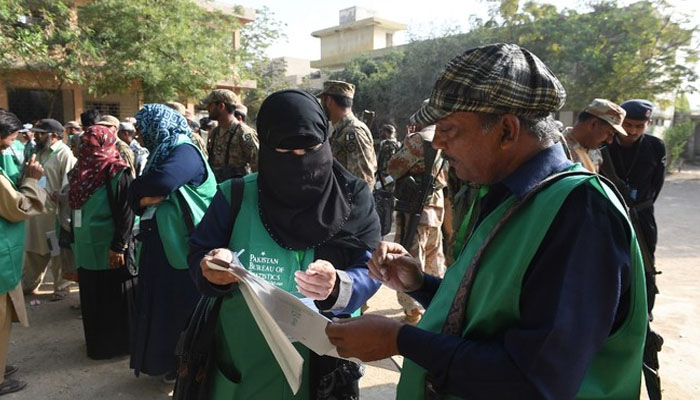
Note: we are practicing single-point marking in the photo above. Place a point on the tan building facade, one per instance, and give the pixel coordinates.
(359, 32)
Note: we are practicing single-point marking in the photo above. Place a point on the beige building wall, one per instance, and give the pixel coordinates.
(359, 33)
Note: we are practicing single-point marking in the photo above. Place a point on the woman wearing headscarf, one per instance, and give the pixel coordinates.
(101, 230)
(305, 213)
(171, 196)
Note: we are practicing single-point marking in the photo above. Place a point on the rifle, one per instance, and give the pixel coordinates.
(413, 203)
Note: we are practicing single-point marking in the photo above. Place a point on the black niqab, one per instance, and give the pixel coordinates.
(307, 200)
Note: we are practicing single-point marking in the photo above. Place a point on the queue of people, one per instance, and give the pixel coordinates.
(546, 296)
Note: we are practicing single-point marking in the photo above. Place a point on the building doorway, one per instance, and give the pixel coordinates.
(31, 105)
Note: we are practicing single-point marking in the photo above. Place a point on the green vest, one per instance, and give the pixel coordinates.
(240, 346)
(11, 250)
(93, 238)
(169, 216)
(494, 303)
(10, 167)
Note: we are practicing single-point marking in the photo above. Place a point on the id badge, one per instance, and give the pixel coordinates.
(78, 219)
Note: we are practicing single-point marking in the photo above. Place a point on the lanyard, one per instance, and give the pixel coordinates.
(47, 158)
(626, 172)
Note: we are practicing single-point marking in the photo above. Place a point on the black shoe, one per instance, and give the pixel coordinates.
(169, 378)
(11, 386)
(10, 369)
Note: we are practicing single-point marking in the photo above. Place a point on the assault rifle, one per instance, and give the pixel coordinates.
(411, 195)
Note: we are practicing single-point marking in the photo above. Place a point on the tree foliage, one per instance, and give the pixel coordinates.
(172, 47)
(676, 138)
(614, 52)
(164, 48)
(41, 36)
(253, 62)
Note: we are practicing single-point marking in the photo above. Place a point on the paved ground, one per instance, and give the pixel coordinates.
(52, 359)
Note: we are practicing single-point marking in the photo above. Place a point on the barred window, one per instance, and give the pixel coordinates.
(104, 108)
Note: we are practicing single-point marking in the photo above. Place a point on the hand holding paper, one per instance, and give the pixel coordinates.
(215, 267)
(281, 317)
(368, 338)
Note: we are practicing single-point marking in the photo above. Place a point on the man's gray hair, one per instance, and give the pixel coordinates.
(545, 129)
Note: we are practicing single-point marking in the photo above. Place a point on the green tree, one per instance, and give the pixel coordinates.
(41, 36)
(253, 62)
(374, 80)
(676, 138)
(637, 51)
(616, 52)
(171, 48)
(166, 49)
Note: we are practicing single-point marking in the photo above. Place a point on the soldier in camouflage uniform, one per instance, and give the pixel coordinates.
(197, 139)
(125, 151)
(427, 247)
(386, 148)
(596, 126)
(351, 140)
(233, 146)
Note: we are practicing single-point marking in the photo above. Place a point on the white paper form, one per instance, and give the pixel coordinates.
(283, 319)
(299, 322)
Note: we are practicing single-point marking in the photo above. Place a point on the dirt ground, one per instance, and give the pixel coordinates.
(51, 353)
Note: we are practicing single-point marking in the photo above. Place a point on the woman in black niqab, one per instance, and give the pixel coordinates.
(308, 199)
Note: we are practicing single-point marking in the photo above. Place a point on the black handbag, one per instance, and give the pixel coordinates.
(130, 261)
(195, 348)
(194, 351)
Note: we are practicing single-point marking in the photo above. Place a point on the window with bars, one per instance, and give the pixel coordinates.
(104, 108)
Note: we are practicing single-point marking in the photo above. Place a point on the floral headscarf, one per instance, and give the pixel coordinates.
(160, 128)
(97, 157)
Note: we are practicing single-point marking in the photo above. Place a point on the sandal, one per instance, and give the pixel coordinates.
(58, 295)
(11, 386)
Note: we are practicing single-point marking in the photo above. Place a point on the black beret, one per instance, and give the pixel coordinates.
(638, 109)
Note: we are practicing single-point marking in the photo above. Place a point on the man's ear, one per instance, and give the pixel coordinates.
(594, 124)
(510, 131)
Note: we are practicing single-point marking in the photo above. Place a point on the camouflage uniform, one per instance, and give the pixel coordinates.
(201, 144)
(127, 154)
(589, 158)
(237, 148)
(351, 140)
(352, 147)
(606, 111)
(428, 244)
(387, 148)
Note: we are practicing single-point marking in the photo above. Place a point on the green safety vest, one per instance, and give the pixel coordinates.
(92, 240)
(240, 346)
(10, 168)
(494, 302)
(169, 216)
(11, 250)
